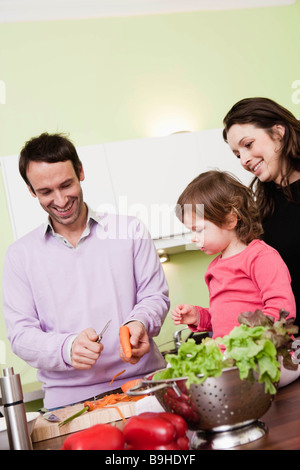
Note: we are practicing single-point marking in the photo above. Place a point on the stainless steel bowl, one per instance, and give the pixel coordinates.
(218, 404)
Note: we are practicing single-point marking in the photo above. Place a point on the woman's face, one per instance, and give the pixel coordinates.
(258, 152)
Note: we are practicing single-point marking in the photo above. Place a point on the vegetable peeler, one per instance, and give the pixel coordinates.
(101, 334)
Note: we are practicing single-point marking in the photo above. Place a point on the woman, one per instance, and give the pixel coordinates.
(266, 138)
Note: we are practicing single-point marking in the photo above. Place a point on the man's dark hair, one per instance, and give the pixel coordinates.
(50, 148)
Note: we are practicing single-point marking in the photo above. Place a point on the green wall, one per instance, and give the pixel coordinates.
(110, 79)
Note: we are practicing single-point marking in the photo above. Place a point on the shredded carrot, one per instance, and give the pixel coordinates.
(119, 411)
(109, 400)
(105, 402)
(117, 375)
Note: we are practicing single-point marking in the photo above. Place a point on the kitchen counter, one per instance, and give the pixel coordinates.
(282, 420)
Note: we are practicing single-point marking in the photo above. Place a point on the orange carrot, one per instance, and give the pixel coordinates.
(125, 340)
(117, 375)
(131, 383)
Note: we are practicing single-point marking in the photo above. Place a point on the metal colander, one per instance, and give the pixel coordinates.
(218, 404)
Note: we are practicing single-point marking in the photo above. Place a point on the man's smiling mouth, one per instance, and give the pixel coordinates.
(65, 210)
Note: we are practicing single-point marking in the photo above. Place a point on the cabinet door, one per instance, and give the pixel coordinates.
(214, 153)
(97, 186)
(141, 177)
(148, 175)
(24, 210)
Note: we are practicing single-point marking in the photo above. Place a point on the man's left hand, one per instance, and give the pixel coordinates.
(139, 340)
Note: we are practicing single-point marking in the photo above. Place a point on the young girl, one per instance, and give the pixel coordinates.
(247, 274)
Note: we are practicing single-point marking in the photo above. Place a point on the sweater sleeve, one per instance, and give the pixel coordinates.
(272, 278)
(24, 329)
(204, 320)
(152, 301)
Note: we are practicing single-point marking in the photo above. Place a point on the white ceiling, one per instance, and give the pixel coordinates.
(41, 10)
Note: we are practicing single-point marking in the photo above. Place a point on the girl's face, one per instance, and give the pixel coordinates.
(210, 238)
(257, 151)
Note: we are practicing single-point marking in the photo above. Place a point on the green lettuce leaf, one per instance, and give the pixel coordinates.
(194, 360)
(253, 351)
(253, 347)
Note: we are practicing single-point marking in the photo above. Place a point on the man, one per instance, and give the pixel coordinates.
(63, 281)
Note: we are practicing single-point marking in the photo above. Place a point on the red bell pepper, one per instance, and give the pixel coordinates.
(98, 437)
(156, 431)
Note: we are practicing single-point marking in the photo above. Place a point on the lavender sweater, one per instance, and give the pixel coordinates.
(52, 291)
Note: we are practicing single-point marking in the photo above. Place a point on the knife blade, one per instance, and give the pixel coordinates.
(104, 394)
(102, 332)
(48, 415)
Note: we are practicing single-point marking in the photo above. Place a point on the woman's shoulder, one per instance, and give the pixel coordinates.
(290, 192)
(295, 189)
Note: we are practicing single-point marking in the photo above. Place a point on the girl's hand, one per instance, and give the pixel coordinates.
(185, 314)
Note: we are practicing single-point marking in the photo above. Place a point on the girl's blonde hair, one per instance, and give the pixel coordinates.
(222, 195)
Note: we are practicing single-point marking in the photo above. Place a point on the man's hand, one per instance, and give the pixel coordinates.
(139, 341)
(85, 350)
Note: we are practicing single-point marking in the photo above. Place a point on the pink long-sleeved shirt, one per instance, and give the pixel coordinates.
(256, 278)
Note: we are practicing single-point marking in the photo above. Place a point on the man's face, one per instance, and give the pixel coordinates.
(58, 190)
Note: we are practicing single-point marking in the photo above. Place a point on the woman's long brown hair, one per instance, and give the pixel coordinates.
(264, 113)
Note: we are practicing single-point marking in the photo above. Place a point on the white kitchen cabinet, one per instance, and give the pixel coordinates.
(148, 175)
(97, 185)
(142, 177)
(24, 209)
(214, 153)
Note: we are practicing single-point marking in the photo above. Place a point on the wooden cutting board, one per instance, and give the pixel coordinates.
(44, 429)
